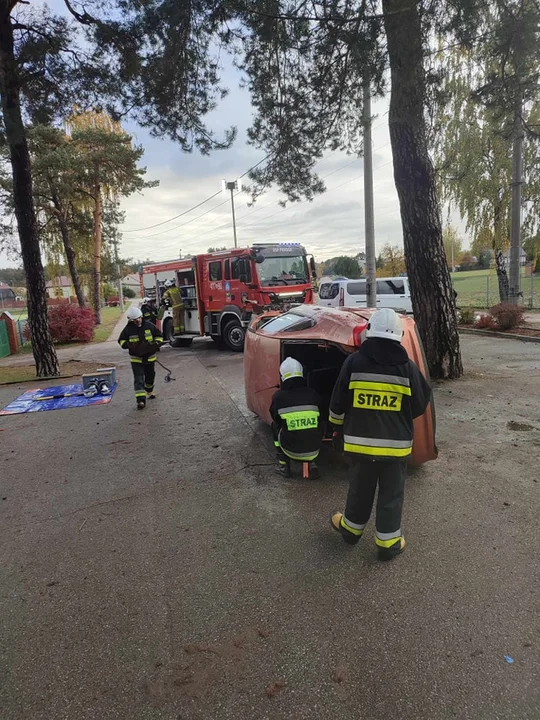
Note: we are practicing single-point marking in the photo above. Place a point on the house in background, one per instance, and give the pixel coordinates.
(133, 283)
(522, 257)
(7, 294)
(62, 287)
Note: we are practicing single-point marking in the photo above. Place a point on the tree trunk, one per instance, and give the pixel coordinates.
(98, 210)
(42, 345)
(68, 248)
(502, 277)
(431, 287)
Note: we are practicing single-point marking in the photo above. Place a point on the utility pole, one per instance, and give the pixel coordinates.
(232, 186)
(515, 227)
(120, 292)
(371, 289)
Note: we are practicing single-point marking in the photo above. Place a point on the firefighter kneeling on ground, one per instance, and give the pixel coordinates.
(173, 297)
(296, 420)
(142, 339)
(377, 395)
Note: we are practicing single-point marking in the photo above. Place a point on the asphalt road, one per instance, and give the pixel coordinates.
(154, 567)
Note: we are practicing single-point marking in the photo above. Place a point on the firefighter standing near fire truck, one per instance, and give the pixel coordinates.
(296, 425)
(142, 339)
(377, 395)
(173, 297)
(148, 310)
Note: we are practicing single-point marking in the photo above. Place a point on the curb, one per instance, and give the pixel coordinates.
(494, 333)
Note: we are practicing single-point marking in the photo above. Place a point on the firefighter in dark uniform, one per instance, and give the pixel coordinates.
(377, 395)
(296, 422)
(142, 339)
(148, 311)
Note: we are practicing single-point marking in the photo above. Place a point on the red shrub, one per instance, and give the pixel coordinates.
(69, 323)
(507, 316)
(485, 322)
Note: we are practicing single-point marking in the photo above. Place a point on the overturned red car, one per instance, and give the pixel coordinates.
(321, 338)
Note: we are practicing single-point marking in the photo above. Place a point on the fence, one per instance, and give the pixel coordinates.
(481, 290)
(9, 304)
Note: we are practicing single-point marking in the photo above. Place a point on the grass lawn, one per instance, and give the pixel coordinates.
(27, 373)
(109, 317)
(479, 288)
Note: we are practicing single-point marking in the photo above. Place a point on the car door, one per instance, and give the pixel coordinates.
(355, 293)
(215, 286)
(391, 293)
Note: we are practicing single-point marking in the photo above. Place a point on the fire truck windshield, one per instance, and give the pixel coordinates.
(282, 270)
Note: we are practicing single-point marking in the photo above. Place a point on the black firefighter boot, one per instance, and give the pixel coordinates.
(283, 464)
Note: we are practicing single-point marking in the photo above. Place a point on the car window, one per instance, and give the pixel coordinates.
(390, 287)
(328, 291)
(288, 321)
(214, 271)
(235, 270)
(357, 288)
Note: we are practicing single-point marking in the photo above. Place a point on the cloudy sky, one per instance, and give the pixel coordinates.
(332, 224)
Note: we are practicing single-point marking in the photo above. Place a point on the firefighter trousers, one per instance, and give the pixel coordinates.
(144, 375)
(178, 319)
(366, 474)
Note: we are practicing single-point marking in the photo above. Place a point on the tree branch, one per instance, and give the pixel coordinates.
(84, 18)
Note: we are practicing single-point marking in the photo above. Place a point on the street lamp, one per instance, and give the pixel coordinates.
(232, 186)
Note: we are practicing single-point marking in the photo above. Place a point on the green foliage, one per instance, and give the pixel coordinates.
(156, 61)
(128, 292)
(12, 276)
(484, 259)
(393, 259)
(343, 266)
(452, 245)
(467, 316)
(480, 104)
(109, 290)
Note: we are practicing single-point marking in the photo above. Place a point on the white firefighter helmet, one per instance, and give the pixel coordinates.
(133, 313)
(385, 323)
(290, 368)
(146, 300)
(168, 283)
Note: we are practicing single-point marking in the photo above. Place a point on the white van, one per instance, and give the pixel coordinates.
(391, 293)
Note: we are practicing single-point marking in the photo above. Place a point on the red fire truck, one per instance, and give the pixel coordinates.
(222, 289)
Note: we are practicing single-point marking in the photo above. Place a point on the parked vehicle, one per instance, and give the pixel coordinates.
(392, 292)
(321, 338)
(222, 289)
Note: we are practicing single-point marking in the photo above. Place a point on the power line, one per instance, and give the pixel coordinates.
(203, 202)
(279, 212)
(176, 216)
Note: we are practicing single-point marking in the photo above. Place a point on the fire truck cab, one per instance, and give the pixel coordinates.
(222, 289)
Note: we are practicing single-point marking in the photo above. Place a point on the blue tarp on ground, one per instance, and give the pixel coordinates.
(29, 402)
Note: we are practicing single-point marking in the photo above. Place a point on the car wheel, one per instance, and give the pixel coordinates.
(234, 336)
(174, 342)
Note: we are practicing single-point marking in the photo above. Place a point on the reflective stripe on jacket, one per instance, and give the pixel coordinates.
(378, 394)
(141, 342)
(296, 414)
